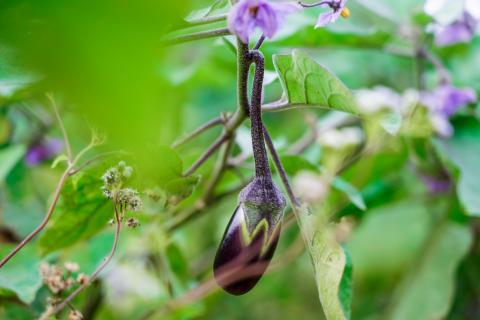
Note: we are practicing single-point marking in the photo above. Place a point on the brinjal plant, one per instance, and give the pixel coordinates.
(333, 158)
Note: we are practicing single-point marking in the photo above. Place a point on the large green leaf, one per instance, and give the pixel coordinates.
(9, 157)
(306, 82)
(463, 150)
(332, 266)
(21, 274)
(428, 292)
(81, 213)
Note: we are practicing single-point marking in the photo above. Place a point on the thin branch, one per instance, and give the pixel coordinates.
(218, 170)
(259, 42)
(42, 225)
(92, 160)
(62, 128)
(443, 73)
(198, 36)
(207, 154)
(280, 169)
(200, 22)
(99, 269)
(210, 124)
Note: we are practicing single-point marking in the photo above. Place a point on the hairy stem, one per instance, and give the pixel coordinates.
(280, 169)
(45, 221)
(262, 168)
(244, 63)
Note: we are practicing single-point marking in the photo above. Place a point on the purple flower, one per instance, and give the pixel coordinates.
(42, 151)
(338, 9)
(460, 31)
(437, 185)
(248, 15)
(456, 21)
(444, 102)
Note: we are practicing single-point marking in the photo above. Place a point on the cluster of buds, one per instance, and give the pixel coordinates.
(114, 180)
(59, 279)
(132, 223)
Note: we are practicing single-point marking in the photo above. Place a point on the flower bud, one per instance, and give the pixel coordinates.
(250, 238)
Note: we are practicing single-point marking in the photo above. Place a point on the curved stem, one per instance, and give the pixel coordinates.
(62, 128)
(312, 5)
(42, 225)
(262, 168)
(100, 268)
(243, 69)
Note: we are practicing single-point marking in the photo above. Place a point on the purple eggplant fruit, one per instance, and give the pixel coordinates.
(250, 238)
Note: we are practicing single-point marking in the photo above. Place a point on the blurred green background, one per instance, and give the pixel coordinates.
(414, 253)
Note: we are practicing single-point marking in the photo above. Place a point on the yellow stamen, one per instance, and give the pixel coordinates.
(345, 12)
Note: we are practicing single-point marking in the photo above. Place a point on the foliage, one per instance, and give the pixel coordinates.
(381, 221)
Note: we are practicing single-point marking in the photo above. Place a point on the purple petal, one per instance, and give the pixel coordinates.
(247, 15)
(324, 19)
(42, 151)
(457, 32)
(437, 185)
(446, 99)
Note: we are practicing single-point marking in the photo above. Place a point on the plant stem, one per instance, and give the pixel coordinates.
(47, 217)
(259, 42)
(243, 68)
(99, 269)
(207, 154)
(210, 124)
(280, 169)
(262, 168)
(200, 21)
(218, 170)
(62, 128)
(198, 36)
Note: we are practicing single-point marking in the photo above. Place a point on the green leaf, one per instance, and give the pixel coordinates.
(333, 269)
(305, 82)
(388, 239)
(21, 274)
(181, 188)
(428, 292)
(170, 164)
(463, 150)
(352, 193)
(81, 213)
(13, 311)
(9, 157)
